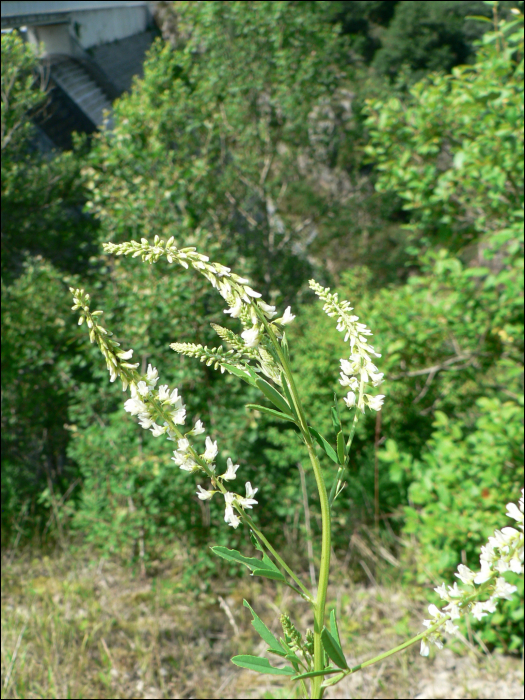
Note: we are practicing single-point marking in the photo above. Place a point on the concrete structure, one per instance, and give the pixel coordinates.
(91, 49)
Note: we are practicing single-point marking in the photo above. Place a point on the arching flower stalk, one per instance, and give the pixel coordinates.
(162, 412)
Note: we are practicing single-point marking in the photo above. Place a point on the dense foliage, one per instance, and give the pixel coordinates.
(259, 137)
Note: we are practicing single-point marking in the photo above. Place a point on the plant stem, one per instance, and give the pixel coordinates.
(324, 570)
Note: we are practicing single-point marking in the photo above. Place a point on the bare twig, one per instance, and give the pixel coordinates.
(224, 605)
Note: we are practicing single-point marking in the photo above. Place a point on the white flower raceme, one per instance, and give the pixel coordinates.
(503, 552)
(230, 472)
(358, 370)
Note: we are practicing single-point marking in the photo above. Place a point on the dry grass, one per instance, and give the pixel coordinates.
(77, 628)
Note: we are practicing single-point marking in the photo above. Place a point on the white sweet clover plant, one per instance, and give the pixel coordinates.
(317, 659)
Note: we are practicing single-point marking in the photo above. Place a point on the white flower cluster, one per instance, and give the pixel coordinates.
(231, 499)
(358, 370)
(149, 403)
(503, 552)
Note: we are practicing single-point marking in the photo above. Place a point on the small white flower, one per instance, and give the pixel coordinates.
(435, 611)
(164, 392)
(515, 564)
(477, 611)
(269, 311)
(485, 574)
(251, 337)
(152, 376)
(143, 388)
(454, 591)
(451, 628)
(377, 379)
(375, 402)
(230, 516)
(352, 382)
(453, 611)
(183, 444)
(157, 430)
(503, 589)
(514, 512)
(211, 450)
(178, 416)
(145, 420)
(198, 429)
(442, 592)
(425, 649)
(249, 501)
(135, 406)
(489, 605)
(203, 494)
(251, 293)
(349, 399)
(465, 575)
(229, 474)
(125, 355)
(235, 311)
(288, 316)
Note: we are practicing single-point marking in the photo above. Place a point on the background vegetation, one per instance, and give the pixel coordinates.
(374, 145)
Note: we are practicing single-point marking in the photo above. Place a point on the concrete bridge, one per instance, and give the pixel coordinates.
(91, 51)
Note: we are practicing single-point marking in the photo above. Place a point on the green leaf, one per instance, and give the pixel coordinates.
(284, 654)
(261, 665)
(333, 649)
(313, 674)
(290, 655)
(333, 627)
(269, 411)
(268, 563)
(335, 419)
(240, 373)
(341, 452)
(325, 445)
(289, 398)
(284, 346)
(235, 556)
(269, 573)
(261, 629)
(273, 395)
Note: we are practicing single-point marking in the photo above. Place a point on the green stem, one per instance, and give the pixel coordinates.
(397, 649)
(324, 569)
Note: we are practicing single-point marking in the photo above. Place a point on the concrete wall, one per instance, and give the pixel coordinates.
(95, 27)
(89, 28)
(46, 7)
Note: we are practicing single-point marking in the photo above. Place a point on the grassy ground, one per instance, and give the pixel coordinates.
(77, 627)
